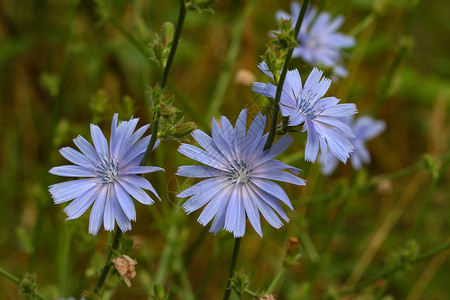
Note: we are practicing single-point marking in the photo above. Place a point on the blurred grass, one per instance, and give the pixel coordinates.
(63, 66)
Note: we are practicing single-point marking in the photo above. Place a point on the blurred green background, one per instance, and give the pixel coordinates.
(65, 64)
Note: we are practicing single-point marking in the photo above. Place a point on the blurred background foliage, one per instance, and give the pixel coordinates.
(65, 64)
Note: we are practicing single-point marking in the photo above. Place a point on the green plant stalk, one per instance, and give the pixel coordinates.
(16, 280)
(273, 124)
(276, 280)
(63, 259)
(165, 77)
(225, 75)
(107, 266)
(237, 243)
(166, 255)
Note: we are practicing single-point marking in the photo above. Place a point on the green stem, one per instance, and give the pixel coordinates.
(176, 39)
(109, 253)
(164, 79)
(276, 280)
(16, 280)
(237, 243)
(273, 124)
(9, 276)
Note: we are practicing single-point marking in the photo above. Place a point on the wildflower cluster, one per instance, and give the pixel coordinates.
(238, 162)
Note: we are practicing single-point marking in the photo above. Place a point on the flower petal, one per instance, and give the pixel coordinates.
(96, 217)
(71, 171)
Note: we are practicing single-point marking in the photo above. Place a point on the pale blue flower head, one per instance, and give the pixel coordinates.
(239, 173)
(111, 176)
(319, 116)
(319, 43)
(365, 128)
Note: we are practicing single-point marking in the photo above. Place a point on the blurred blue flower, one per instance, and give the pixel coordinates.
(365, 128)
(240, 172)
(319, 43)
(111, 176)
(319, 116)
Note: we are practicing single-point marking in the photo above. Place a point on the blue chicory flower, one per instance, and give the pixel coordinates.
(111, 176)
(365, 128)
(240, 171)
(319, 116)
(319, 43)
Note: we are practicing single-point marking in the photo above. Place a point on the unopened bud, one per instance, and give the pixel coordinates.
(167, 110)
(184, 129)
(28, 285)
(125, 266)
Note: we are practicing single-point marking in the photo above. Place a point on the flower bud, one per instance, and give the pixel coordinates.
(167, 110)
(184, 129)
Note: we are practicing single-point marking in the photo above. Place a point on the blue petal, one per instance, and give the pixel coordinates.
(78, 206)
(135, 151)
(241, 128)
(312, 143)
(198, 171)
(96, 217)
(339, 145)
(108, 217)
(100, 143)
(265, 89)
(367, 128)
(122, 220)
(139, 170)
(270, 200)
(221, 141)
(294, 82)
(254, 134)
(202, 156)
(75, 157)
(135, 191)
(251, 209)
(235, 217)
(86, 148)
(125, 201)
(273, 189)
(113, 139)
(125, 130)
(277, 148)
(204, 193)
(65, 191)
(71, 171)
(140, 182)
(333, 122)
(340, 110)
(275, 165)
(215, 206)
(219, 219)
(209, 145)
(263, 67)
(280, 176)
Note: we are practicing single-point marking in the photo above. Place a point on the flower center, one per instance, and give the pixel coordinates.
(306, 105)
(240, 173)
(107, 169)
